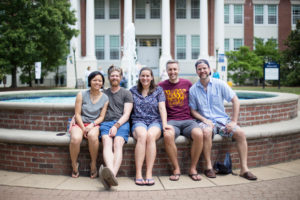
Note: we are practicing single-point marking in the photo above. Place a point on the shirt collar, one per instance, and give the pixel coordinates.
(201, 86)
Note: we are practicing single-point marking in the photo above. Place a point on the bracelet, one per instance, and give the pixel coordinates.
(117, 125)
(94, 123)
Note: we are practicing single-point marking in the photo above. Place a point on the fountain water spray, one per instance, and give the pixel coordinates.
(128, 62)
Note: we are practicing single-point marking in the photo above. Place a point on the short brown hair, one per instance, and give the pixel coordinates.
(171, 62)
(113, 68)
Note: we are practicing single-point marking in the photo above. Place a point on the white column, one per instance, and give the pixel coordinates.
(75, 40)
(127, 12)
(165, 36)
(90, 33)
(74, 43)
(203, 29)
(219, 39)
(129, 55)
(219, 26)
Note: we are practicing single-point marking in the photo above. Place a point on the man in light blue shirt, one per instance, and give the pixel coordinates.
(207, 106)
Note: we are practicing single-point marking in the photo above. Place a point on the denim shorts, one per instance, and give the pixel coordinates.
(140, 124)
(123, 131)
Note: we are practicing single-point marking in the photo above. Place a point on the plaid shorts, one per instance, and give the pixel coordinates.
(220, 129)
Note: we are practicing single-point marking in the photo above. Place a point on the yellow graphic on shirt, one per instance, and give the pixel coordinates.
(175, 97)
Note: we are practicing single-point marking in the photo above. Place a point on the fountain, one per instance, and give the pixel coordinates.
(128, 62)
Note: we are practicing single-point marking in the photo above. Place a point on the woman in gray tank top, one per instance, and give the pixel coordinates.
(90, 109)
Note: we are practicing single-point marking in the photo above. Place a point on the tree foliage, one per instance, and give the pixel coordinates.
(244, 65)
(291, 55)
(267, 51)
(34, 30)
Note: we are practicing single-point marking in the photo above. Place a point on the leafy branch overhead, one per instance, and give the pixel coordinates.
(34, 31)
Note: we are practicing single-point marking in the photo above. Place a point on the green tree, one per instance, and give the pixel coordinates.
(34, 31)
(267, 51)
(290, 72)
(244, 65)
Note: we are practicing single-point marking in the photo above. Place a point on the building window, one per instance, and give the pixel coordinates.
(237, 43)
(272, 14)
(195, 10)
(114, 45)
(181, 47)
(99, 46)
(226, 14)
(238, 14)
(195, 46)
(99, 9)
(155, 9)
(226, 45)
(295, 13)
(140, 11)
(114, 9)
(259, 14)
(180, 9)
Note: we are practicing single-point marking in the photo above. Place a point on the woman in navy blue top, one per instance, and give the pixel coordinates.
(149, 118)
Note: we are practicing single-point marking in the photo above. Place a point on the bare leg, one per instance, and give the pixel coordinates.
(140, 134)
(242, 147)
(207, 145)
(118, 154)
(196, 149)
(108, 155)
(153, 135)
(74, 147)
(93, 140)
(171, 149)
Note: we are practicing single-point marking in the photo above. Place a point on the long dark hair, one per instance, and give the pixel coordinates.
(92, 75)
(152, 87)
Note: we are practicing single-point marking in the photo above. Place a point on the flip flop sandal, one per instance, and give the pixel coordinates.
(104, 183)
(148, 183)
(94, 173)
(75, 174)
(109, 177)
(139, 182)
(194, 177)
(175, 177)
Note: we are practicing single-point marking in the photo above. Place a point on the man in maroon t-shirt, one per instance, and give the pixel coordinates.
(177, 102)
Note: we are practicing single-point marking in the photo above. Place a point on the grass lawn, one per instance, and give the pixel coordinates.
(294, 90)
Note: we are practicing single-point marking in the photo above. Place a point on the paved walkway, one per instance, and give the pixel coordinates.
(280, 181)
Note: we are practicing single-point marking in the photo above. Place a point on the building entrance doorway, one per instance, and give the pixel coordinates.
(148, 52)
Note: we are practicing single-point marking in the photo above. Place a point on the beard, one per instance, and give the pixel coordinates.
(114, 83)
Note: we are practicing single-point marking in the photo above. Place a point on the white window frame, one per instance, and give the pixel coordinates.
(181, 48)
(101, 49)
(195, 46)
(241, 15)
(196, 9)
(293, 16)
(142, 9)
(114, 48)
(234, 40)
(177, 9)
(227, 15)
(100, 9)
(276, 14)
(226, 40)
(258, 14)
(155, 9)
(115, 8)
